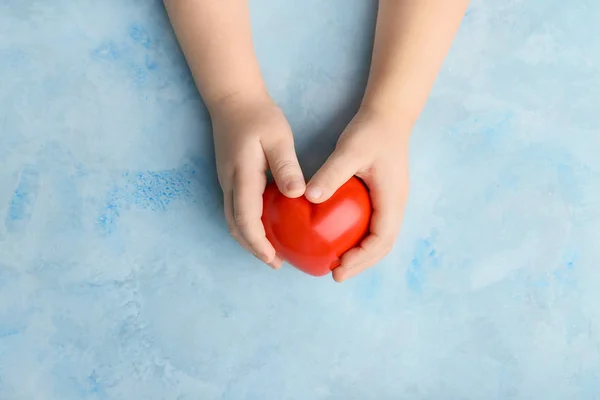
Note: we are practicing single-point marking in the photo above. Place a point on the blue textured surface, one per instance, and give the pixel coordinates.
(118, 279)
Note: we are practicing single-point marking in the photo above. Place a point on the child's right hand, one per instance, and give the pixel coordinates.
(252, 136)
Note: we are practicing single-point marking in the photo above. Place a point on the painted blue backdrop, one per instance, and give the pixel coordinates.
(118, 279)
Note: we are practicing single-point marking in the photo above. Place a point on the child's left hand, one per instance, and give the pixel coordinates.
(373, 147)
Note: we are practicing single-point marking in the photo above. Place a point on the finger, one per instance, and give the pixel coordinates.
(388, 208)
(370, 251)
(235, 232)
(284, 165)
(336, 171)
(233, 229)
(247, 211)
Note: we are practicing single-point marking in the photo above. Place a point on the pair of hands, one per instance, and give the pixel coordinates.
(253, 136)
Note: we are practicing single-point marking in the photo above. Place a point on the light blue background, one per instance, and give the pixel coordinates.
(118, 279)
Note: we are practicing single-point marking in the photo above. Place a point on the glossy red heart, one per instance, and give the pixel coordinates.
(312, 237)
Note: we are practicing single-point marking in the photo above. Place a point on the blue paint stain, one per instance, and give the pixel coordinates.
(140, 35)
(23, 200)
(13, 57)
(491, 128)
(9, 332)
(156, 190)
(424, 257)
(152, 190)
(565, 274)
(111, 213)
(107, 51)
(541, 283)
(415, 276)
(14, 321)
(89, 386)
(110, 51)
(93, 385)
(150, 65)
(140, 74)
(92, 285)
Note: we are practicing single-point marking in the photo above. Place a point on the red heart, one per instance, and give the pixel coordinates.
(312, 237)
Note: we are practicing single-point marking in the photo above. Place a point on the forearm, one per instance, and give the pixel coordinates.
(411, 42)
(216, 39)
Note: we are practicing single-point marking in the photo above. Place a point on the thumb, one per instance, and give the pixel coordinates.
(336, 171)
(284, 165)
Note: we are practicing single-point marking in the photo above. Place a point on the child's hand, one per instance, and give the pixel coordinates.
(373, 147)
(252, 136)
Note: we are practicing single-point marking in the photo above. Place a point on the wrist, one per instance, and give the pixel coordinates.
(389, 98)
(236, 100)
(391, 116)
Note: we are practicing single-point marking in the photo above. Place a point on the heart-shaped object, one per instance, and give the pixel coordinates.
(312, 237)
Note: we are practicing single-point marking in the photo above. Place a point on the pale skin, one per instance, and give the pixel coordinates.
(253, 136)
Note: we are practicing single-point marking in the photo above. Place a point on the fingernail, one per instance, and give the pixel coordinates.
(295, 185)
(314, 193)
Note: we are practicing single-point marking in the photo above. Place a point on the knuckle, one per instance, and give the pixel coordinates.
(330, 176)
(284, 167)
(241, 220)
(352, 151)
